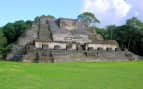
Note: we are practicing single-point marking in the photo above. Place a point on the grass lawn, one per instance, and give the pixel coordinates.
(122, 75)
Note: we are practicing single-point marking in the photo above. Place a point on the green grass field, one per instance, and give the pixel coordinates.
(126, 75)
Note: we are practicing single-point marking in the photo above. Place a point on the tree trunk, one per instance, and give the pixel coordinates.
(129, 42)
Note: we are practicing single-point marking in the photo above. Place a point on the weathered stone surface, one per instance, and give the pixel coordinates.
(65, 40)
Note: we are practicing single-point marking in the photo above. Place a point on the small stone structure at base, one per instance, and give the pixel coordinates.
(65, 40)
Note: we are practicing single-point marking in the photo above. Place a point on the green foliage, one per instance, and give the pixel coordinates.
(135, 23)
(48, 16)
(9, 32)
(129, 35)
(3, 40)
(3, 43)
(110, 32)
(71, 76)
(20, 27)
(13, 30)
(88, 18)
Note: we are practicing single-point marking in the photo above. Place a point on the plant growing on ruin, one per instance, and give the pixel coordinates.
(88, 18)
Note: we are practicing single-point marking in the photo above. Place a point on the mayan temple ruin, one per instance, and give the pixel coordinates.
(65, 40)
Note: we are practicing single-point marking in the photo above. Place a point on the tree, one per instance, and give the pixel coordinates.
(3, 40)
(9, 32)
(129, 36)
(135, 23)
(88, 18)
(21, 27)
(100, 31)
(12, 31)
(110, 32)
(51, 17)
(48, 16)
(3, 43)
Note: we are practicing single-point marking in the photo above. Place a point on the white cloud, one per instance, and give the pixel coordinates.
(100, 6)
(113, 11)
(121, 7)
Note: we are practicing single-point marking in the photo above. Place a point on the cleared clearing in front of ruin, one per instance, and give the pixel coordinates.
(121, 75)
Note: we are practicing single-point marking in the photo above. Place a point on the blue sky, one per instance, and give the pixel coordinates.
(11, 10)
(107, 11)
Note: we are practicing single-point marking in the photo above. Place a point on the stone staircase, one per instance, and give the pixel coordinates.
(44, 33)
